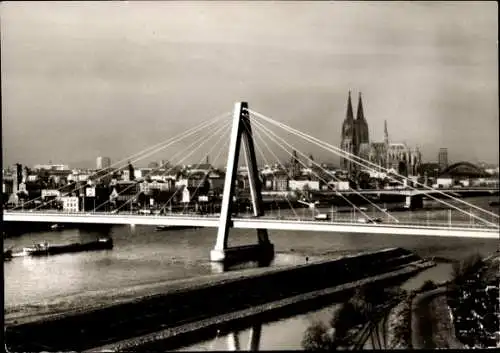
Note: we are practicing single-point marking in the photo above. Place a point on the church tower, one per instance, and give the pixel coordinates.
(386, 134)
(386, 146)
(361, 127)
(348, 136)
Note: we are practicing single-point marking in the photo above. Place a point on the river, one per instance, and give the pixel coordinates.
(142, 255)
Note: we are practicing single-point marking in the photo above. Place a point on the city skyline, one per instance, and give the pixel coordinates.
(112, 78)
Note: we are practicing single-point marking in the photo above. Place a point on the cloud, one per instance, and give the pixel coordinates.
(116, 76)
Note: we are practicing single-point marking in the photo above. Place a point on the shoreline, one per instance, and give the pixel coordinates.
(424, 319)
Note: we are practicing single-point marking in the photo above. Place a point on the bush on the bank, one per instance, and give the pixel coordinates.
(466, 267)
(345, 317)
(428, 285)
(400, 325)
(317, 338)
(359, 309)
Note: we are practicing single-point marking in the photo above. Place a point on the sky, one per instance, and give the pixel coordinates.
(88, 79)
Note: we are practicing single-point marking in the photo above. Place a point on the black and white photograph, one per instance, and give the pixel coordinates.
(250, 175)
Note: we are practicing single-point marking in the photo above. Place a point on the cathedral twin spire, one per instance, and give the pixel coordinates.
(360, 113)
(354, 132)
(349, 115)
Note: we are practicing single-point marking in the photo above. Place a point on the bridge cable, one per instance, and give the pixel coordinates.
(322, 179)
(226, 126)
(177, 139)
(259, 125)
(166, 142)
(205, 177)
(135, 182)
(335, 150)
(326, 172)
(467, 213)
(377, 167)
(470, 214)
(266, 161)
(197, 141)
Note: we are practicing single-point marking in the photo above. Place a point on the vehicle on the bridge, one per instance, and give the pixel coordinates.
(370, 220)
(321, 217)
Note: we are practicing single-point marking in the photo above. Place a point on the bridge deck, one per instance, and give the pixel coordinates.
(452, 230)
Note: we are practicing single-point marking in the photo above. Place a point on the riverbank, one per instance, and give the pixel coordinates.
(398, 325)
(431, 324)
(473, 298)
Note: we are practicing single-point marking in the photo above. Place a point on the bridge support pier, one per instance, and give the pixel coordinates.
(254, 339)
(241, 132)
(233, 341)
(414, 202)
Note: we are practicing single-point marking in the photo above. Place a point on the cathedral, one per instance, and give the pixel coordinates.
(355, 140)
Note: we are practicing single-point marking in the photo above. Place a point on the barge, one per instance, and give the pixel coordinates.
(45, 249)
(7, 255)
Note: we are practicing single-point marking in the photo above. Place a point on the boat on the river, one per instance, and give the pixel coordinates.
(163, 228)
(45, 249)
(56, 227)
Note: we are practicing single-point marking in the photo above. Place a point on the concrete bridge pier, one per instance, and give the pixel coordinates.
(233, 341)
(254, 339)
(414, 202)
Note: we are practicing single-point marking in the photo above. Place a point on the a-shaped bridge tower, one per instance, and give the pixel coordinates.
(241, 133)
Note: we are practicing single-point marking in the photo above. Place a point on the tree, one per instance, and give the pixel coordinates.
(428, 285)
(318, 337)
(466, 267)
(141, 199)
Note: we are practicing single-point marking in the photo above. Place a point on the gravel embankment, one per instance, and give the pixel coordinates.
(398, 323)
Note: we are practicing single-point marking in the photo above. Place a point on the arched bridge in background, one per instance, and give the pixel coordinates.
(464, 169)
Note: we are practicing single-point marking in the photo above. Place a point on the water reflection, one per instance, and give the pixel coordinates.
(284, 334)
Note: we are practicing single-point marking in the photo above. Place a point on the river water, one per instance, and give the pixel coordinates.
(142, 255)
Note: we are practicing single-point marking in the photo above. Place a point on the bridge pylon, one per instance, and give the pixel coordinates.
(263, 250)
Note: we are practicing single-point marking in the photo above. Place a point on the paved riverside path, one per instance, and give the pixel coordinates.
(426, 326)
(190, 303)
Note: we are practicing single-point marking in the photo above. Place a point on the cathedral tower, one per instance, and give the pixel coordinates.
(348, 135)
(361, 127)
(386, 134)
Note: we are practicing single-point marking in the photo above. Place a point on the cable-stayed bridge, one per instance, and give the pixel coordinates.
(240, 132)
